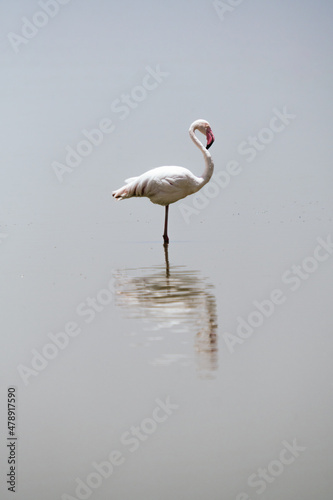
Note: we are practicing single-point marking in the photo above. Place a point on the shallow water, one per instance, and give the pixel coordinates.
(171, 301)
(198, 370)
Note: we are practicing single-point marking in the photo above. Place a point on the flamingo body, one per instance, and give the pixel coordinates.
(162, 185)
(166, 185)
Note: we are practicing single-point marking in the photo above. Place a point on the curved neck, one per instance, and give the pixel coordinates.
(209, 164)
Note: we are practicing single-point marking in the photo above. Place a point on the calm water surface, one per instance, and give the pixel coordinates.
(201, 371)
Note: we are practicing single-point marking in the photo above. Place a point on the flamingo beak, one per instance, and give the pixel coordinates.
(210, 138)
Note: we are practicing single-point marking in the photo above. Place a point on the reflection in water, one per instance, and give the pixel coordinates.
(175, 298)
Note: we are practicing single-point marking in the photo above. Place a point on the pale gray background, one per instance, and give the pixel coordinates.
(63, 242)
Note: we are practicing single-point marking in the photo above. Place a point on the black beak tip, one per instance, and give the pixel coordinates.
(209, 145)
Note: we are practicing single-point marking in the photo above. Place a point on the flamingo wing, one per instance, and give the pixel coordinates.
(162, 185)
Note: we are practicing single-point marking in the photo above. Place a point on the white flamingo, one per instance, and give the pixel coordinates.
(165, 185)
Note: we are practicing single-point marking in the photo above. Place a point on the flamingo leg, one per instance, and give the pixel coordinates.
(166, 257)
(165, 235)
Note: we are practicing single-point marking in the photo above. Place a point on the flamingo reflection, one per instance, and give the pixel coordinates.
(172, 299)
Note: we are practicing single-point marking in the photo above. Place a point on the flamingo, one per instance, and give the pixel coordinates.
(166, 185)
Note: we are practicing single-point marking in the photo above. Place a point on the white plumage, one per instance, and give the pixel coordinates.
(165, 185)
(162, 185)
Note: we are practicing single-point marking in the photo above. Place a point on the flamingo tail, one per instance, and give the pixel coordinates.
(134, 188)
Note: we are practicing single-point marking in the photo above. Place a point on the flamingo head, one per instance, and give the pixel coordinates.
(204, 127)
